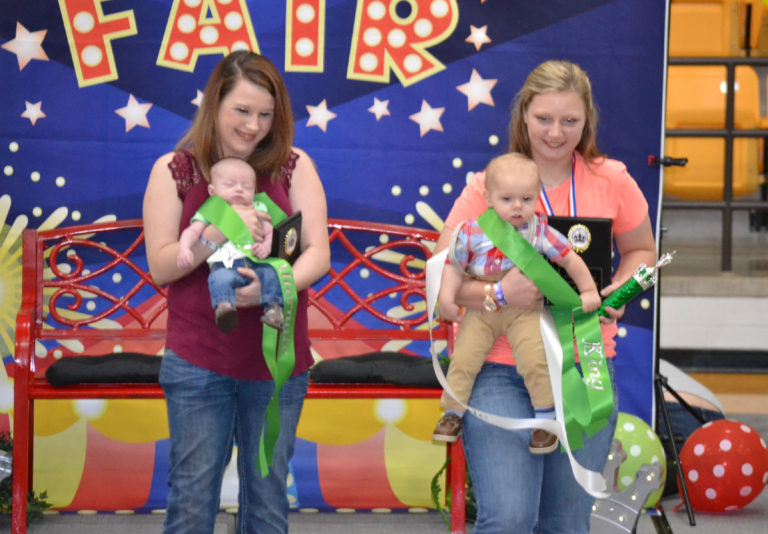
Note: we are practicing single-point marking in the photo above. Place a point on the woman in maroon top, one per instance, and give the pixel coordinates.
(217, 386)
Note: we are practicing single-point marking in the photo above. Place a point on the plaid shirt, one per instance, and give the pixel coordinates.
(478, 256)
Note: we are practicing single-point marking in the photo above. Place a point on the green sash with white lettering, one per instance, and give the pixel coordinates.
(278, 349)
(587, 401)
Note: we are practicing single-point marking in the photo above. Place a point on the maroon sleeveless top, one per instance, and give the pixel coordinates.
(192, 331)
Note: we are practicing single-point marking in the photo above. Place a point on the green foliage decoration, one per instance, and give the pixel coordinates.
(436, 491)
(36, 503)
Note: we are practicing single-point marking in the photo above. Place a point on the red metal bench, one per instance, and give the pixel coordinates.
(68, 308)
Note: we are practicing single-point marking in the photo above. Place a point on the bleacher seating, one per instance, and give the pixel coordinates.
(696, 98)
(703, 28)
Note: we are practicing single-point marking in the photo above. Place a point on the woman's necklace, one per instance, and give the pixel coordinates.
(571, 195)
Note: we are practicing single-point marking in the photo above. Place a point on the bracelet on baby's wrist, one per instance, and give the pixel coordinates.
(499, 294)
(210, 245)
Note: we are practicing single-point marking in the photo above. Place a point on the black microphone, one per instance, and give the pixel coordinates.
(666, 161)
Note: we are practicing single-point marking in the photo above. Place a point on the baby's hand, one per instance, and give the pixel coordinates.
(449, 311)
(260, 250)
(590, 300)
(185, 258)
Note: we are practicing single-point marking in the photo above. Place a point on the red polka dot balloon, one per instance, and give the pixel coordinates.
(725, 464)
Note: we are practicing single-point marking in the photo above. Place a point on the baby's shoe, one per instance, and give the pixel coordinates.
(542, 442)
(449, 427)
(273, 316)
(226, 317)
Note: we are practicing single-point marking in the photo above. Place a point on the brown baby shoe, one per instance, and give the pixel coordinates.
(542, 442)
(273, 316)
(226, 317)
(448, 429)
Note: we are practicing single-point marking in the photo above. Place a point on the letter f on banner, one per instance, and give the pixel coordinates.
(90, 34)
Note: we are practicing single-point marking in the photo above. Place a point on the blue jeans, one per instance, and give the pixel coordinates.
(207, 413)
(517, 492)
(223, 281)
(683, 422)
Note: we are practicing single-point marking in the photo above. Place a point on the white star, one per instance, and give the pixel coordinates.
(33, 112)
(27, 46)
(198, 98)
(379, 108)
(478, 90)
(135, 114)
(320, 115)
(478, 36)
(428, 118)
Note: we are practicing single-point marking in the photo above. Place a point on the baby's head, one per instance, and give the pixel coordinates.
(512, 187)
(234, 180)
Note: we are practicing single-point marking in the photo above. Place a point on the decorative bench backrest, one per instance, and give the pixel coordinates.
(374, 296)
(86, 291)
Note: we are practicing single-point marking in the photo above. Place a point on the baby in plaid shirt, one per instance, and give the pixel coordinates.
(512, 190)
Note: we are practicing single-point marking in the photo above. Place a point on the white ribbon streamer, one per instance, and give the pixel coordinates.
(592, 482)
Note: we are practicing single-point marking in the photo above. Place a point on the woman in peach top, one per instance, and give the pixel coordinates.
(554, 122)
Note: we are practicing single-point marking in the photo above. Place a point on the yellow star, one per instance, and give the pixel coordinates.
(478, 36)
(33, 112)
(478, 90)
(379, 108)
(135, 114)
(428, 118)
(27, 46)
(320, 115)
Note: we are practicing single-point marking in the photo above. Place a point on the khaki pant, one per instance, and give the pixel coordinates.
(478, 332)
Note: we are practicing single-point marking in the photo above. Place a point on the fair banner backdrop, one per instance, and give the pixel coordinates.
(397, 101)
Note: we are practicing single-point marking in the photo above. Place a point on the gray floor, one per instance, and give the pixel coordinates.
(67, 523)
(395, 523)
(749, 520)
(299, 524)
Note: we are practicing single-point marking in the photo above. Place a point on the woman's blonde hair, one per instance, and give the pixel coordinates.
(202, 138)
(554, 76)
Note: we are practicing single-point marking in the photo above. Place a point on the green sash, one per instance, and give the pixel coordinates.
(587, 401)
(278, 349)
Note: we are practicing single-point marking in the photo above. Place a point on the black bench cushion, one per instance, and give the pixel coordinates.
(377, 367)
(115, 368)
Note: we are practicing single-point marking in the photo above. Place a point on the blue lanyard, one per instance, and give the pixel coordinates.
(572, 196)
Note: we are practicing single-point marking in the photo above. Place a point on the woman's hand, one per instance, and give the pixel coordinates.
(250, 295)
(635, 247)
(520, 291)
(613, 315)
